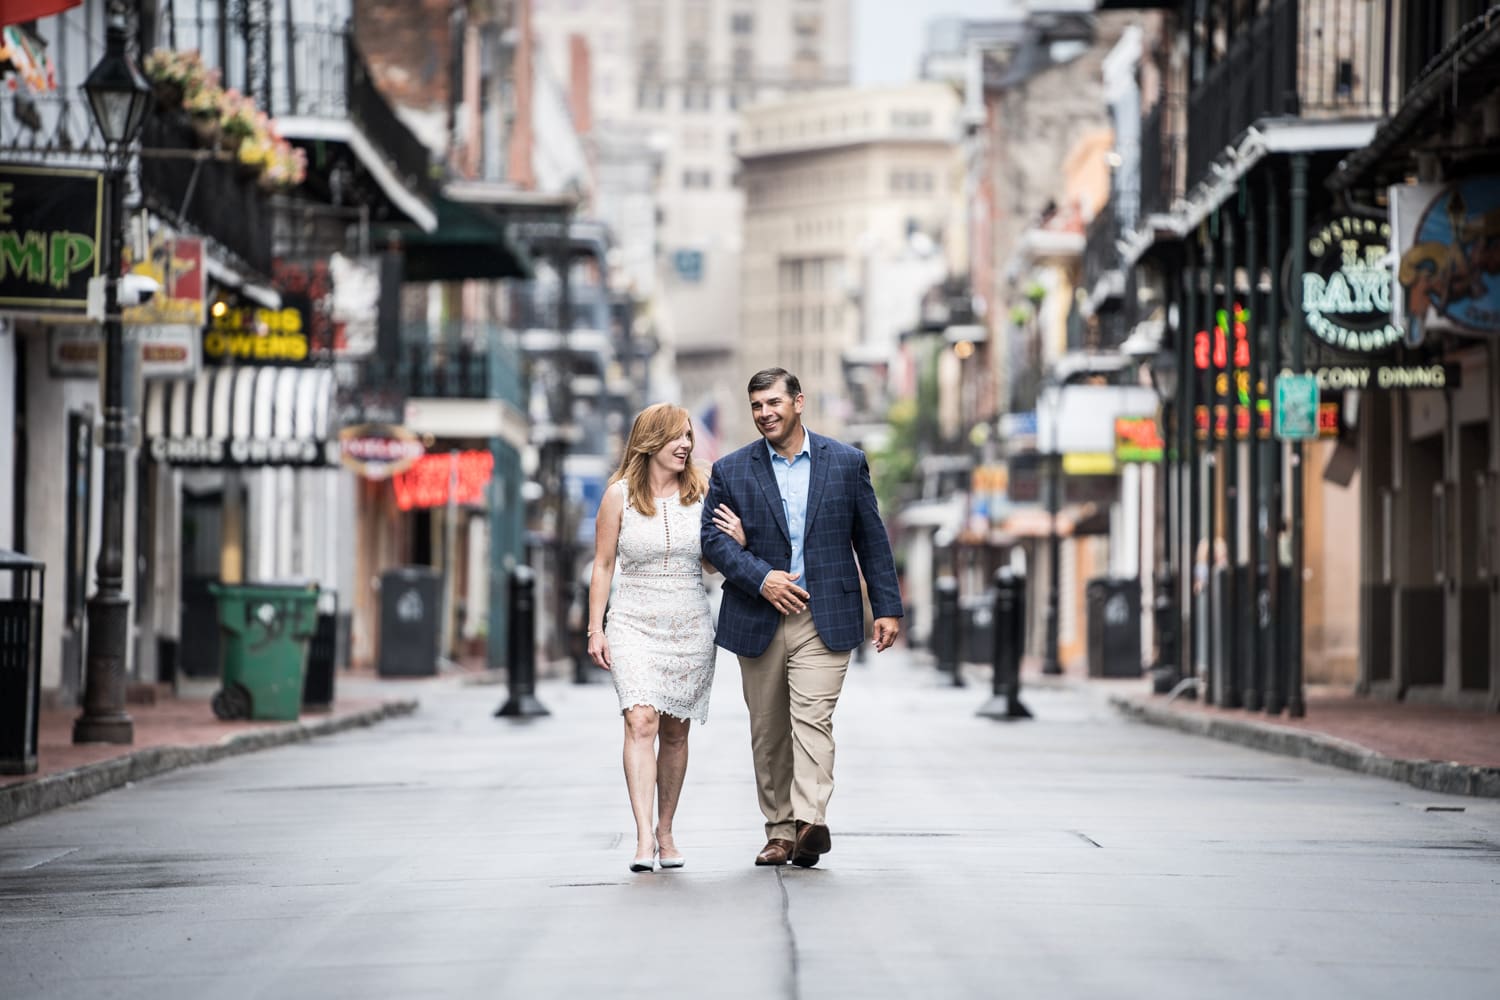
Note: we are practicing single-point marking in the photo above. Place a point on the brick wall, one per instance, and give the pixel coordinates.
(409, 47)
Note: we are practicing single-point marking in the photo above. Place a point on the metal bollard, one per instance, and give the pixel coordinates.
(578, 640)
(945, 624)
(520, 654)
(1010, 641)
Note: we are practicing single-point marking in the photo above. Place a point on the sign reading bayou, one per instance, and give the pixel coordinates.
(49, 238)
(255, 336)
(1346, 292)
(1450, 255)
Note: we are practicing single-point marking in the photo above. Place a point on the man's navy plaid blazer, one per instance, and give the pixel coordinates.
(843, 522)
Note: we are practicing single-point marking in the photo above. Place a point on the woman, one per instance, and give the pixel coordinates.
(659, 644)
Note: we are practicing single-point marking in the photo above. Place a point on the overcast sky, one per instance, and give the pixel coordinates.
(889, 34)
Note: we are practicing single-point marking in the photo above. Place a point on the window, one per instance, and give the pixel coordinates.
(697, 98)
(650, 96)
(742, 24)
(696, 178)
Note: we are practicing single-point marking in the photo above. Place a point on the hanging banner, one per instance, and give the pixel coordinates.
(50, 224)
(1447, 242)
(176, 264)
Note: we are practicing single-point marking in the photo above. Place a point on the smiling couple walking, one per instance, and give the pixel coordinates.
(792, 523)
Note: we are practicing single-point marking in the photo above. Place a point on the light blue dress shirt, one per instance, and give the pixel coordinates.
(793, 479)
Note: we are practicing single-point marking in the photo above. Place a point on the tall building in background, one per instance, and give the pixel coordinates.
(677, 74)
(853, 210)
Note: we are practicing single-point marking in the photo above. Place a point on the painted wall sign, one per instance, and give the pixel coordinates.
(255, 336)
(176, 262)
(1448, 239)
(378, 451)
(50, 222)
(1346, 292)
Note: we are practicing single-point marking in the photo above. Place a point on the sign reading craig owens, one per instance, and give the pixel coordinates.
(49, 238)
(1346, 292)
(239, 451)
(254, 336)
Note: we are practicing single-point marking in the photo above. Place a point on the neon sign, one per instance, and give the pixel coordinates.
(425, 484)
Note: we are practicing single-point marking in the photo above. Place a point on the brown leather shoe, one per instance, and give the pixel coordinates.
(813, 842)
(776, 852)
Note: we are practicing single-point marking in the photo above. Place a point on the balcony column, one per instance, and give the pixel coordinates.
(1269, 484)
(1229, 687)
(1187, 432)
(1208, 493)
(1294, 704)
(1251, 610)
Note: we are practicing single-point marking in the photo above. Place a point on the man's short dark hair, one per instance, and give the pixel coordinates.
(767, 378)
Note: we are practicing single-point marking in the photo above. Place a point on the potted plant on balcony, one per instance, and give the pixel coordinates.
(202, 105)
(173, 75)
(285, 168)
(236, 120)
(255, 152)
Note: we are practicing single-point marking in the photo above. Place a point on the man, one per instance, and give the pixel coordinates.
(792, 608)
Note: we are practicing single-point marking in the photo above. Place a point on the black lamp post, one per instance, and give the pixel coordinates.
(1051, 659)
(118, 97)
(1164, 379)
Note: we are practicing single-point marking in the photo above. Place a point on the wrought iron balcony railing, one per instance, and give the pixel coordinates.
(206, 195)
(1323, 59)
(1160, 157)
(455, 361)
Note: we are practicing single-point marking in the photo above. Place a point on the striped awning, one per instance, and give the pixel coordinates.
(243, 417)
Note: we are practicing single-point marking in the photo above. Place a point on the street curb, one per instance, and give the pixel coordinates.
(28, 798)
(1447, 777)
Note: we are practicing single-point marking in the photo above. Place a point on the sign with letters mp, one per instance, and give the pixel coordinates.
(50, 224)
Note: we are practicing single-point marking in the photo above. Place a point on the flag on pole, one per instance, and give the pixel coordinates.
(706, 432)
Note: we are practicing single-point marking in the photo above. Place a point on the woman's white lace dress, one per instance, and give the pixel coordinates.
(660, 630)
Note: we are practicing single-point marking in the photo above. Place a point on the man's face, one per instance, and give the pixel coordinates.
(777, 414)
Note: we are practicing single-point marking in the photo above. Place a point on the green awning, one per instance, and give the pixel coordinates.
(470, 242)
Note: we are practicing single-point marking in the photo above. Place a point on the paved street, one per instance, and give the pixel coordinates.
(451, 854)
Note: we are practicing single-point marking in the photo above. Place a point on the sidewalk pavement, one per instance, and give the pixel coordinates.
(1438, 749)
(173, 732)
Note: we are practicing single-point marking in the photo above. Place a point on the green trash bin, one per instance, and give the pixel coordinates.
(264, 630)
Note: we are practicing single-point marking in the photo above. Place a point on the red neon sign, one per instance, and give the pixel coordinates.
(425, 484)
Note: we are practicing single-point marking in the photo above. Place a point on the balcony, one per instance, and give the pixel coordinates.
(1311, 59)
(1104, 273)
(313, 79)
(209, 196)
(456, 361)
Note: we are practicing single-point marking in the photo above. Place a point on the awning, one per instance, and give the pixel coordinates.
(20, 11)
(237, 417)
(471, 241)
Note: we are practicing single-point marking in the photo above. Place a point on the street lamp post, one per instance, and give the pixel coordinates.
(1051, 661)
(118, 97)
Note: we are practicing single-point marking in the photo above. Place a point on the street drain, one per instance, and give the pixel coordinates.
(899, 833)
(1246, 777)
(583, 885)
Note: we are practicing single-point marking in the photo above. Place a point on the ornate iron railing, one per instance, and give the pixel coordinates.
(1325, 59)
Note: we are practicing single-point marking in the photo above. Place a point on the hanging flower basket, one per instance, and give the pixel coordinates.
(206, 127)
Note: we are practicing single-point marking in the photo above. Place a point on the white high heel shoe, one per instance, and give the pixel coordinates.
(676, 862)
(647, 863)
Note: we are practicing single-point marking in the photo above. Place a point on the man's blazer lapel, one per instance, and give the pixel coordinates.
(766, 476)
(818, 452)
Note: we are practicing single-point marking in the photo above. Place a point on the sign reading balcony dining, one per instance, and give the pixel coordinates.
(50, 226)
(1346, 291)
(249, 335)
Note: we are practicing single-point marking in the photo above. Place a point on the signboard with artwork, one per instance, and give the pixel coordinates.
(1447, 242)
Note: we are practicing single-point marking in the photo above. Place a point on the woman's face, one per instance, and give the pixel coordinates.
(673, 456)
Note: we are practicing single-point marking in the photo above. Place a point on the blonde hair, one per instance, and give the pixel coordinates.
(652, 429)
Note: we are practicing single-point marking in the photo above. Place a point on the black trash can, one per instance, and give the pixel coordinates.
(322, 655)
(1114, 627)
(977, 614)
(409, 612)
(22, 581)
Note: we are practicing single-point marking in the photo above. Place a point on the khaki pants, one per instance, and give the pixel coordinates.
(791, 690)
